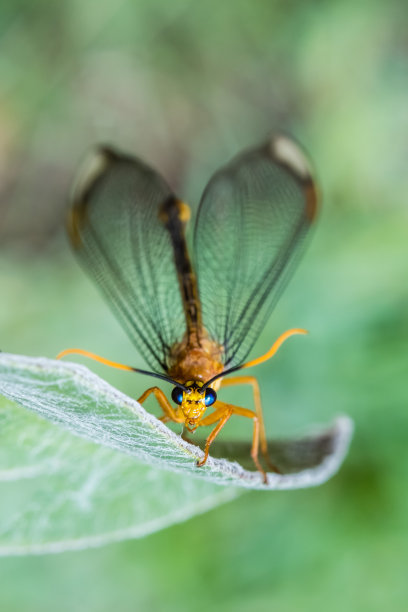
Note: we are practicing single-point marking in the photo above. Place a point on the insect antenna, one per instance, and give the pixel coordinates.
(119, 366)
(274, 348)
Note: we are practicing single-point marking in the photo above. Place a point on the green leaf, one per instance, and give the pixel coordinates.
(59, 492)
(63, 492)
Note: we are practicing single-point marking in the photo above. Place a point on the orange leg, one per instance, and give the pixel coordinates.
(208, 420)
(251, 380)
(221, 414)
(169, 412)
(255, 437)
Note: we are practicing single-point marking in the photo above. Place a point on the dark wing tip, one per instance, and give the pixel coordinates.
(288, 153)
(92, 168)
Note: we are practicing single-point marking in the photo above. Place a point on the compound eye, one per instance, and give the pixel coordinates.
(177, 395)
(210, 396)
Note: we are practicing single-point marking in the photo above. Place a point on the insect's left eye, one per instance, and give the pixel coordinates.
(210, 396)
(177, 395)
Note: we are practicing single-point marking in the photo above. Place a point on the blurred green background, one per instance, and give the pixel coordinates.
(185, 85)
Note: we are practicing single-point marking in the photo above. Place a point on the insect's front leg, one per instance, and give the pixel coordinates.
(169, 413)
(221, 414)
(250, 414)
(251, 380)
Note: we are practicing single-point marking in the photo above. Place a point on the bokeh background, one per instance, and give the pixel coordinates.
(185, 85)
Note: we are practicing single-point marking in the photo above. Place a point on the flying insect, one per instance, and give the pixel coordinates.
(195, 318)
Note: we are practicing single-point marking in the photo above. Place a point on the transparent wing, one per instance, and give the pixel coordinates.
(252, 219)
(116, 232)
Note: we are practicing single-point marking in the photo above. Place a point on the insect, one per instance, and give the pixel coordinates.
(195, 320)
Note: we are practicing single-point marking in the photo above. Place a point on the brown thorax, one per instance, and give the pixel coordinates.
(197, 359)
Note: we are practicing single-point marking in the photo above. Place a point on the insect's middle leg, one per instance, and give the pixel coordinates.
(169, 412)
(251, 380)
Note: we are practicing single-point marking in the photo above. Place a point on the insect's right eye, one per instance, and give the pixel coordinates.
(177, 395)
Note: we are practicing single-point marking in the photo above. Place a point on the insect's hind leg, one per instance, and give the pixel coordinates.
(251, 380)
